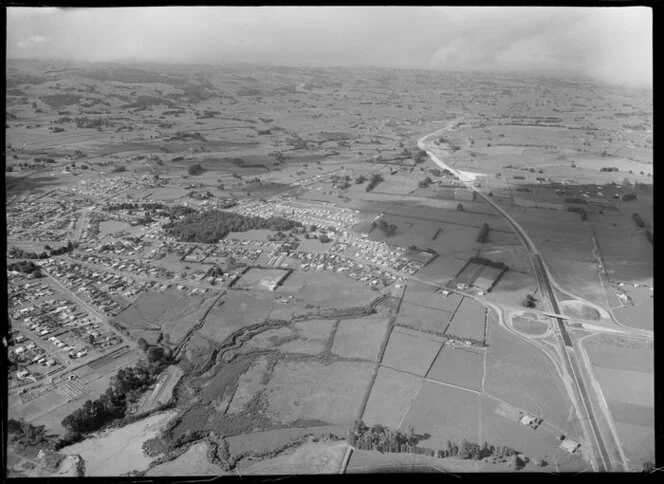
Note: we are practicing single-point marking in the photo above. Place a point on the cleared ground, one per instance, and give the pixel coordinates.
(269, 439)
(123, 444)
(193, 462)
(310, 458)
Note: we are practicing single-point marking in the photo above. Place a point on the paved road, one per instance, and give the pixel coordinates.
(602, 460)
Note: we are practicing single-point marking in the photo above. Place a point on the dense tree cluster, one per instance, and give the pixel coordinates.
(211, 226)
(25, 267)
(424, 183)
(529, 301)
(628, 197)
(388, 229)
(608, 169)
(85, 122)
(125, 388)
(375, 180)
(16, 253)
(650, 236)
(24, 433)
(195, 169)
(360, 179)
(419, 156)
(135, 206)
(483, 236)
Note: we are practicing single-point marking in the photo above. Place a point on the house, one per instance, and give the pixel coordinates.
(570, 445)
(528, 420)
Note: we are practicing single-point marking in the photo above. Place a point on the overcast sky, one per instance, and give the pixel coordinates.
(611, 44)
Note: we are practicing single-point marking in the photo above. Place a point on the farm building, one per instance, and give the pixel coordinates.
(528, 420)
(570, 445)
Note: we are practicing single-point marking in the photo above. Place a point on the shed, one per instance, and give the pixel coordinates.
(570, 445)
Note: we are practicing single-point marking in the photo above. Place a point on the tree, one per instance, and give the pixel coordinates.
(142, 344)
(483, 236)
(529, 301)
(648, 467)
(464, 449)
(459, 207)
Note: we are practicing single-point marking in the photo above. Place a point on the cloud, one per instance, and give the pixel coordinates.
(611, 44)
(33, 42)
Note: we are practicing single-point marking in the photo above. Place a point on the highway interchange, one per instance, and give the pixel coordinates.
(584, 391)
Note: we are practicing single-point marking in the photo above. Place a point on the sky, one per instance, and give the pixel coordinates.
(613, 45)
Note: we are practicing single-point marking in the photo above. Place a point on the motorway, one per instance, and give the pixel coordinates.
(606, 452)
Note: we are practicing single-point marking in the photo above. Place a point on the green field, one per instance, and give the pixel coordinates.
(445, 412)
(305, 390)
(169, 312)
(237, 310)
(390, 397)
(624, 369)
(409, 353)
(422, 317)
(528, 326)
(360, 338)
(521, 375)
(459, 366)
(326, 290)
(469, 320)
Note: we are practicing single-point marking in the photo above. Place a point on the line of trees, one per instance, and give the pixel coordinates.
(579, 210)
(211, 226)
(383, 439)
(639, 221)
